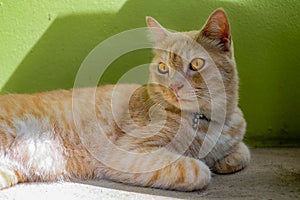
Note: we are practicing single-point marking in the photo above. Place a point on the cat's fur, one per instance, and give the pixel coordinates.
(141, 135)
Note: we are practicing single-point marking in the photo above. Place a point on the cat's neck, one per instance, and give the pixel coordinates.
(195, 119)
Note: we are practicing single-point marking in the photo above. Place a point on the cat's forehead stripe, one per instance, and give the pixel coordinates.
(175, 61)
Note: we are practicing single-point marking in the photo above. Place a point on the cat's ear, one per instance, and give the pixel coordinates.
(158, 32)
(217, 30)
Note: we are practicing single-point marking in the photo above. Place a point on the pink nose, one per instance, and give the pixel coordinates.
(176, 87)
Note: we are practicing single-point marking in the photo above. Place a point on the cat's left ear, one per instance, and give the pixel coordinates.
(217, 30)
(158, 32)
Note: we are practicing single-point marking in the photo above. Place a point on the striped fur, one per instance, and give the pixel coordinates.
(140, 135)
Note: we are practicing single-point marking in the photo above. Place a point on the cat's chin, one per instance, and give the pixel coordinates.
(185, 105)
(191, 107)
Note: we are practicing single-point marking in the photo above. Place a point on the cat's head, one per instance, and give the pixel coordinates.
(187, 66)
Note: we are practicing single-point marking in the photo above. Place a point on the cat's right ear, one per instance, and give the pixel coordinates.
(217, 31)
(158, 32)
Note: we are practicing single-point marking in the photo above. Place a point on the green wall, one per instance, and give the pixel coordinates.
(42, 44)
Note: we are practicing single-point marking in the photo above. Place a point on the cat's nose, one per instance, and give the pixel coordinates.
(176, 87)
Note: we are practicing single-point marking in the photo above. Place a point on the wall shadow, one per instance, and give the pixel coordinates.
(54, 60)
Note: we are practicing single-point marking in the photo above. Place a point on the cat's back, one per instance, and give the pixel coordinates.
(51, 102)
(18, 105)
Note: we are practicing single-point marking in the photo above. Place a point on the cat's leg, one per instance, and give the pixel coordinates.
(235, 161)
(29, 160)
(181, 173)
(8, 177)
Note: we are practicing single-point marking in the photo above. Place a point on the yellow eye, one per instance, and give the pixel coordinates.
(197, 64)
(163, 68)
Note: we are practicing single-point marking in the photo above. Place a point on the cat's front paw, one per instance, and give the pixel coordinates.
(233, 162)
(7, 177)
(193, 175)
(204, 177)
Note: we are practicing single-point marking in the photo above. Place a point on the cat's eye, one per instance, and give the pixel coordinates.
(197, 64)
(163, 68)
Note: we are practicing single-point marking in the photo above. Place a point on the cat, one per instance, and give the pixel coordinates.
(170, 134)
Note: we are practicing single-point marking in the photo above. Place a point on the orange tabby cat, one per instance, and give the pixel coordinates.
(162, 135)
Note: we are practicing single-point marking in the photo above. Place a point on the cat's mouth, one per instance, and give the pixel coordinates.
(187, 103)
(181, 101)
(175, 98)
(181, 98)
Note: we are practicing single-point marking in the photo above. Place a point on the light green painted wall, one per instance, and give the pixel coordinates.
(42, 44)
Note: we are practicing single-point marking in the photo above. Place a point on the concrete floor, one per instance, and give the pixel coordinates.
(273, 174)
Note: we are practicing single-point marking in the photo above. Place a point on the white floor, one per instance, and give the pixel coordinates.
(273, 174)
